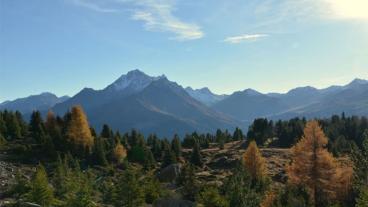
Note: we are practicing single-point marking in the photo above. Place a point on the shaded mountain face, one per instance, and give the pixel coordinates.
(204, 95)
(302, 102)
(40, 102)
(249, 104)
(149, 104)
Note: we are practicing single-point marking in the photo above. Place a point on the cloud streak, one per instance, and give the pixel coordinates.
(156, 15)
(93, 6)
(244, 38)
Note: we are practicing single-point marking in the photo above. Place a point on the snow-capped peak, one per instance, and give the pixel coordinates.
(135, 80)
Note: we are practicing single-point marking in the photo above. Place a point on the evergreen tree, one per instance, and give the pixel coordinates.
(313, 166)
(129, 190)
(99, 153)
(238, 134)
(254, 163)
(176, 146)
(169, 158)
(196, 157)
(13, 128)
(37, 128)
(360, 158)
(22, 124)
(190, 185)
(210, 196)
(149, 162)
(152, 188)
(3, 129)
(241, 191)
(40, 191)
(78, 132)
(106, 132)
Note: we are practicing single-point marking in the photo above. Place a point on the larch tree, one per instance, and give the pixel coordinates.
(313, 166)
(254, 163)
(119, 153)
(78, 131)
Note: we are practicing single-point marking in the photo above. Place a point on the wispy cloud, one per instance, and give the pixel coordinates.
(244, 38)
(93, 6)
(157, 15)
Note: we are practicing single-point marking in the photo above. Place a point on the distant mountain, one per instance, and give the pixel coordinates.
(303, 101)
(249, 104)
(149, 104)
(204, 95)
(39, 102)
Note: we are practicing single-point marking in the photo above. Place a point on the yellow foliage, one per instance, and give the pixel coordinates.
(312, 165)
(78, 131)
(268, 199)
(253, 161)
(120, 152)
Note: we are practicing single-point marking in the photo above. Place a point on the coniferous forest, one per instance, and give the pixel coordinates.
(62, 161)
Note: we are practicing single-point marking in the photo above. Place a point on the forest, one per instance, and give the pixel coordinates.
(71, 164)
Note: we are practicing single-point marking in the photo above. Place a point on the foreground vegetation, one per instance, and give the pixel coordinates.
(75, 166)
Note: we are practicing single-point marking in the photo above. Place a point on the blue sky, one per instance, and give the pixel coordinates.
(62, 46)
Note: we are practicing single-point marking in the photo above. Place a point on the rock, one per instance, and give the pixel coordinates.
(169, 173)
(169, 202)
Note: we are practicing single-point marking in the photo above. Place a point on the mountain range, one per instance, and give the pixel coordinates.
(158, 105)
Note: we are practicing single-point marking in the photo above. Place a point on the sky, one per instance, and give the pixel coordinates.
(62, 46)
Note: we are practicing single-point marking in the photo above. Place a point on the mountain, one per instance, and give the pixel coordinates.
(149, 104)
(249, 104)
(28, 104)
(302, 102)
(204, 95)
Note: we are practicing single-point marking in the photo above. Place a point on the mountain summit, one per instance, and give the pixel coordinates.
(134, 80)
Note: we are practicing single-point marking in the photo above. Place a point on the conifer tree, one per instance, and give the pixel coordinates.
(40, 191)
(149, 162)
(22, 124)
(196, 157)
(119, 153)
(238, 134)
(13, 128)
(3, 130)
(187, 179)
(106, 131)
(176, 146)
(99, 153)
(78, 132)
(169, 158)
(37, 128)
(129, 191)
(254, 163)
(313, 166)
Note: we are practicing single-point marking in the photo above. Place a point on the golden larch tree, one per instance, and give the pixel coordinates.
(268, 199)
(120, 152)
(254, 163)
(78, 131)
(313, 166)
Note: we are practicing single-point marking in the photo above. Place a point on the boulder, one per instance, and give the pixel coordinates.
(169, 173)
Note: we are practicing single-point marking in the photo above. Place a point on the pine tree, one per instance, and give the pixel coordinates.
(360, 158)
(169, 158)
(106, 131)
(187, 179)
(40, 191)
(238, 134)
(176, 146)
(129, 190)
(149, 162)
(254, 163)
(313, 166)
(37, 128)
(196, 157)
(210, 196)
(99, 153)
(78, 132)
(13, 127)
(22, 124)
